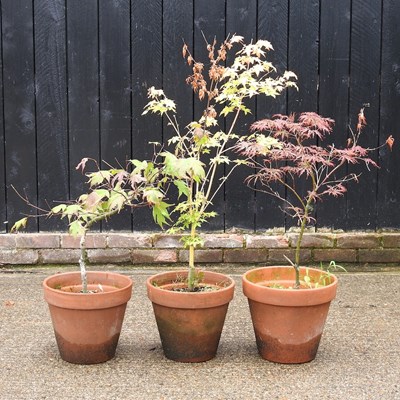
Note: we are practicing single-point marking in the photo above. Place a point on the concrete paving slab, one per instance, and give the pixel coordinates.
(359, 355)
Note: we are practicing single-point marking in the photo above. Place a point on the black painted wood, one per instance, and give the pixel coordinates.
(19, 109)
(334, 63)
(272, 26)
(303, 54)
(115, 92)
(74, 77)
(388, 184)
(83, 88)
(51, 107)
(146, 64)
(303, 61)
(364, 91)
(241, 17)
(209, 20)
(177, 29)
(3, 199)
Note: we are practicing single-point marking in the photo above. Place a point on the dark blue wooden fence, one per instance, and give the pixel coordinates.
(74, 76)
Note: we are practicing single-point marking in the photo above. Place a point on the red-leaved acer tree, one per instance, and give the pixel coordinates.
(296, 158)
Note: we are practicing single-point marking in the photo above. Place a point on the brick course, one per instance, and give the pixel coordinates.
(266, 241)
(35, 241)
(93, 241)
(277, 256)
(245, 255)
(391, 240)
(15, 257)
(156, 256)
(109, 255)
(167, 241)
(233, 248)
(312, 240)
(59, 256)
(202, 256)
(359, 241)
(128, 240)
(379, 256)
(223, 241)
(7, 241)
(339, 255)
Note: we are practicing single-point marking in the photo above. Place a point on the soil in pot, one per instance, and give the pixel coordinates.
(190, 323)
(288, 323)
(87, 326)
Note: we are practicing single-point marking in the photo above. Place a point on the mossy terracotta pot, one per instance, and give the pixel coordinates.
(87, 326)
(190, 323)
(288, 323)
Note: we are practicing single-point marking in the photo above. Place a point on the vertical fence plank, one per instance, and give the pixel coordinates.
(334, 91)
(115, 91)
(3, 200)
(303, 60)
(19, 108)
(240, 205)
(272, 26)
(303, 54)
(388, 183)
(364, 89)
(209, 19)
(83, 88)
(51, 106)
(146, 62)
(177, 28)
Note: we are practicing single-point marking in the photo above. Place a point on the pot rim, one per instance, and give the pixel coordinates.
(190, 300)
(85, 301)
(286, 297)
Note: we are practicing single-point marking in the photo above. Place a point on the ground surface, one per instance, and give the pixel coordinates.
(359, 356)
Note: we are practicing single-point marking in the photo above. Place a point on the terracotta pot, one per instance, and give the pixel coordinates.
(190, 323)
(288, 323)
(87, 325)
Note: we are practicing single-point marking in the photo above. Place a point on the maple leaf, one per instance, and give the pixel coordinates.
(236, 39)
(361, 120)
(389, 142)
(119, 177)
(20, 224)
(184, 50)
(82, 164)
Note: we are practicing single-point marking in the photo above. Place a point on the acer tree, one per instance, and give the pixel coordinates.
(322, 170)
(139, 184)
(195, 153)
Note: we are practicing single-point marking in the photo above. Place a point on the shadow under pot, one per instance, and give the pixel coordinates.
(288, 323)
(190, 323)
(87, 326)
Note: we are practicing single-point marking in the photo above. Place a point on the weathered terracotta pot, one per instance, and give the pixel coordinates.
(87, 326)
(288, 323)
(190, 323)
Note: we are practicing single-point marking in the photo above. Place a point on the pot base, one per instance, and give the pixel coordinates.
(288, 323)
(87, 354)
(272, 349)
(190, 323)
(190, 336)
(87, 326)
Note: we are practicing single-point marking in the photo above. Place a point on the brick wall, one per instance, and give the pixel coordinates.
(358, 249)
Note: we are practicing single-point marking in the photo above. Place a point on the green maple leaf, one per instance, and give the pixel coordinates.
(182, 188)
(21, 223)
(161, 213)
